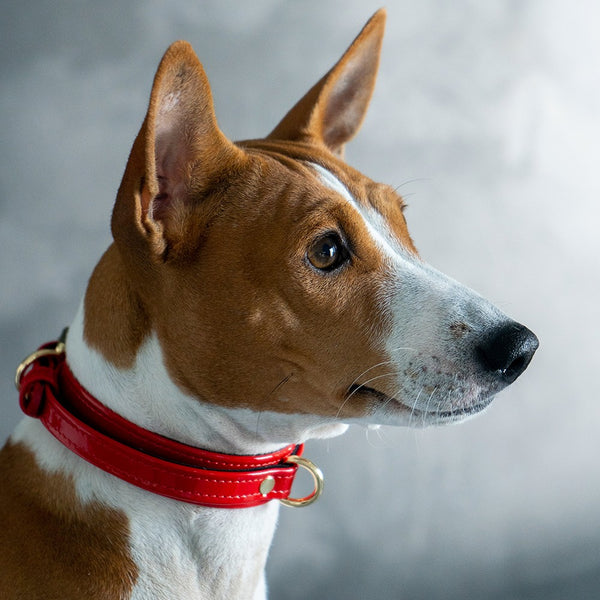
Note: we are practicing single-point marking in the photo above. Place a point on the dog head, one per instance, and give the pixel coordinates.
(278, 278)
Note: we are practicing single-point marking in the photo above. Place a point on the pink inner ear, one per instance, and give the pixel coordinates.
(333, 110)
(342, 116)
(171, 157)
(159, 205)
(348, 99)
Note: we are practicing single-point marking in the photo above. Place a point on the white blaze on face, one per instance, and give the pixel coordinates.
(375, 223)
(433, 371)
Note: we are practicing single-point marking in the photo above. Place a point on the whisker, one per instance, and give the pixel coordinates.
(279, 385)
(358, 387)
(400, 348)
(415, 180)
(273, 391)
(413, 407)
(426, 411)
(378, 431)
(381, 364)
(384, 440)
(392, 398)
(367, 431)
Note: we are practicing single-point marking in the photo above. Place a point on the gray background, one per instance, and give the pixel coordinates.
(488, 116)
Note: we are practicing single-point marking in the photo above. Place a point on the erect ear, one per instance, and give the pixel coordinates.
(333, 110)
(179, 151)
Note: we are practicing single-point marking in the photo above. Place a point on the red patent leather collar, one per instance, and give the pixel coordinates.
(49, 391)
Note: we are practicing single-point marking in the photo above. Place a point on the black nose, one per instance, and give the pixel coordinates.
(507, 350)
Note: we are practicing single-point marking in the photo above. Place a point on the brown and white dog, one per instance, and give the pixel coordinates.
(256, 294)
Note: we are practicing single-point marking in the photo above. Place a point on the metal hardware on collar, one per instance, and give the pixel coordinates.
(55, 350)
(318, 480)
(267, 485)
(49, 391)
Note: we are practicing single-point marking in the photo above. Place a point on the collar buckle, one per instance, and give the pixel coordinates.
(318, 480)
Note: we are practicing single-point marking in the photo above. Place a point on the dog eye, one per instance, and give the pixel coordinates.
(327, 252)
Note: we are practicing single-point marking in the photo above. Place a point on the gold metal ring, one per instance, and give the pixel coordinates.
(317, 476)
(26, 363)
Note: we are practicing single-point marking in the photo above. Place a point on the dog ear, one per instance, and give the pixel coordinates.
(179, 151)
(333, 110)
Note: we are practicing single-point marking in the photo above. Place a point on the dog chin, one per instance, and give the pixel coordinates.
(387, 410)
(418, 419)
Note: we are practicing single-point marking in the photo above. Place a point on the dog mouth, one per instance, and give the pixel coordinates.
(388, 406)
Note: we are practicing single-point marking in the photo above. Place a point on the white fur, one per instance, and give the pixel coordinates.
(185, 551)
(147, 396)
(181, 550)
(434, 376)
(374, 222)
(167, 537)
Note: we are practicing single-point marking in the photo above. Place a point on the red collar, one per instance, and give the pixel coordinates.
(49, 391)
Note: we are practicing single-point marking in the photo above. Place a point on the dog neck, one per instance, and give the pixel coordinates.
(211, 548)
(182, 549)
(145, 395)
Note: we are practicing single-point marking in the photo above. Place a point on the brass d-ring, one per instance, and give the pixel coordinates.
(26, 363)
(317, 476)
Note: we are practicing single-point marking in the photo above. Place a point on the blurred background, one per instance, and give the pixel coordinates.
(487, 114)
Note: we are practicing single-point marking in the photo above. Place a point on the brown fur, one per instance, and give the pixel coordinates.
(211, 238)
(54, 547)
(110, 296)
(210, 253)
(332, 111)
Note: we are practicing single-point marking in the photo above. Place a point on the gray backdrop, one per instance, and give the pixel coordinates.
(488, 116)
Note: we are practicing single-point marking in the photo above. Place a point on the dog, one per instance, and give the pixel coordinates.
(257, 294)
